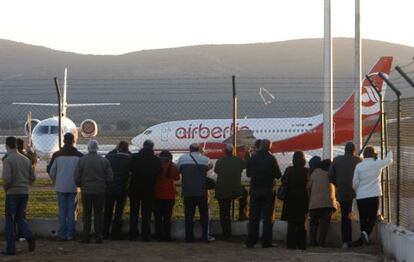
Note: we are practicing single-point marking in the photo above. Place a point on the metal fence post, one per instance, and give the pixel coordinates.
(59, 111)
(404, 75)
(382, 122)
(233, 79)
(387, 172)
(234, 115)
(398, 94)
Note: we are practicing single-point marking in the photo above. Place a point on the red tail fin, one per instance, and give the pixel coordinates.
(370, 108)
(369, 97)
(344, 116)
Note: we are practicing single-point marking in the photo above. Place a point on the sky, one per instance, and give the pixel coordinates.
(122, 26)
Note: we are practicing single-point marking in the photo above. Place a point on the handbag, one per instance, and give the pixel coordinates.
(282, 190)
(210, 183)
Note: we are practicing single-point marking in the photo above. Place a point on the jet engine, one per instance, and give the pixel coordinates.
(33, 123)
(88, 128)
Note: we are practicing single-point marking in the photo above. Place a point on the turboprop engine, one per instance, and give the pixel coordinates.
(88, 128)
(33, 123)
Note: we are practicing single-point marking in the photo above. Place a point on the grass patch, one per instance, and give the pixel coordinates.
(43, 204)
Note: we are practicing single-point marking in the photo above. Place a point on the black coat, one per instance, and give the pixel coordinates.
(145, 167)
(262, 168)
(120, 163)
(296, 203)
(341, 174)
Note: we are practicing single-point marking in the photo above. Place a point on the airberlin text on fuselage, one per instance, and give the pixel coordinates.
(204, 132)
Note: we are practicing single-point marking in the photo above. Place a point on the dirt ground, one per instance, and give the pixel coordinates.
(52, 250)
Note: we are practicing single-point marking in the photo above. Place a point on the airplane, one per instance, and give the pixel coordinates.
(286, 134)
(44, 138)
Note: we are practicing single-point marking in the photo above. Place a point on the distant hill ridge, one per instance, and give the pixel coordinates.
(294, 58)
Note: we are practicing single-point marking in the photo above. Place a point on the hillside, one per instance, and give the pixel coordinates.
(192, 82)
(295, 58)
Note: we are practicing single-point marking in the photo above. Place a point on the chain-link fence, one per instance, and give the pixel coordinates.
(297, 103)
(399, 198)
(147, 102)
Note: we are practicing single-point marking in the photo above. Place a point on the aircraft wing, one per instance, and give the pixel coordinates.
(94, 104)
(244, 138)
(394, 120)
(34, 104)
(69, 105)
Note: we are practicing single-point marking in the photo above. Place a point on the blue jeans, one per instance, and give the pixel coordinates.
(15, 208)
(190, 204)
(66, 207)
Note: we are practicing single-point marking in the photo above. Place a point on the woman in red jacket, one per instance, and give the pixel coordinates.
(165, 197)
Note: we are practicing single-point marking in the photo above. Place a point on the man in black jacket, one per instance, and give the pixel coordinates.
(262, 169)
(116, 191)
(145, 167)
(341, 174)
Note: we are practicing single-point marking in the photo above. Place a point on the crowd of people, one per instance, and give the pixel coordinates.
(308, 190)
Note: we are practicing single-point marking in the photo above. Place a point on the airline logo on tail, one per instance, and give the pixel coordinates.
(370, 99)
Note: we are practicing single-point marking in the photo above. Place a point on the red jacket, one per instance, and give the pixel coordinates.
(165, 187)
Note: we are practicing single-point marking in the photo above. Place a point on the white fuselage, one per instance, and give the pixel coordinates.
(287, 133)
(45, 135)
(178, 135)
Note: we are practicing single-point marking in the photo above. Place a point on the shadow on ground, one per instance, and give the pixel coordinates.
(51, 250)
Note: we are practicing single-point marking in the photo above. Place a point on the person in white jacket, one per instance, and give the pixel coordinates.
(367, 186)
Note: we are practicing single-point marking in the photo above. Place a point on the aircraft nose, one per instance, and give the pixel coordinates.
(45, 145)
(136, 140)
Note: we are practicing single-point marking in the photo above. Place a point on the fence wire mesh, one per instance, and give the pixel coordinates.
(407, 163)
(406, 185)
(148, 102)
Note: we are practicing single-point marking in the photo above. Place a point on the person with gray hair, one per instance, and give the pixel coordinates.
(92, 174)
(228, 187)
(193, 168)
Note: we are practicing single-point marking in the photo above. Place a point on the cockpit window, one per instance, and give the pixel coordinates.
(147, 132)
(42, 130)
(54, 129)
